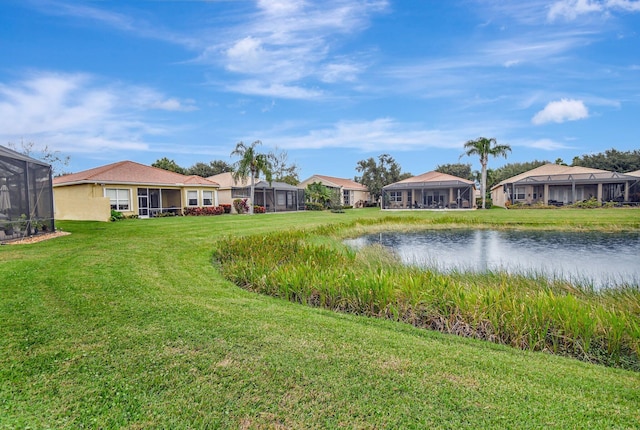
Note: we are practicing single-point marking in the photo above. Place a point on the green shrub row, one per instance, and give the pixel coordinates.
(524, 312)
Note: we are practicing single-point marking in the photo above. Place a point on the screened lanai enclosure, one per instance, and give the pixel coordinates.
(26, 195)
(274, 196)
(567, 189)
(431, 193)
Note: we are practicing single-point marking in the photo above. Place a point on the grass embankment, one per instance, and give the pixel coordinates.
(128, 325)
(525, 312)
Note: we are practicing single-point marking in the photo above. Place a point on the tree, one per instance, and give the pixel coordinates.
(251, 163)
(213, 168)
(612, 160)
(460, 170)
(49, 156)
(316, 192)
(484, 148)
(377, 175)
(170, 165)
(220, 166)
(510, 170)
(283, 171)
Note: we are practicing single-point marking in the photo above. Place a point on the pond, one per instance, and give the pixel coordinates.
(585, 258)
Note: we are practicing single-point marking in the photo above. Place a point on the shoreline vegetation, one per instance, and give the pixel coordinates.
(524, 311)
(129, 324)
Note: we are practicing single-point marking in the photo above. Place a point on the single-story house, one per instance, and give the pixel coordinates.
(274, 196)
(130, 188)
(26, 196)
(351, 193)
(431, 190)
(553, 184)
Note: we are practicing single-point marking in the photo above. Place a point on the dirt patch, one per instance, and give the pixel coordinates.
(37, 238)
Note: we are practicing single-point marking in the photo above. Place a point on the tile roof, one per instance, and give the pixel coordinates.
(338, 182)
(129, 172)
(550, 169)
(226, 180)
(636, 173)
(434, 176)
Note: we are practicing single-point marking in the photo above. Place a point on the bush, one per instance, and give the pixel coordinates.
(312, 206)
(592, 203)
(487, 203)
(226, 207)
(259, 209)
(116, 216)
(200, 211)
(241, 206)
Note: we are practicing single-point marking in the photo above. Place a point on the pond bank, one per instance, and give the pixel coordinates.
(316, 269)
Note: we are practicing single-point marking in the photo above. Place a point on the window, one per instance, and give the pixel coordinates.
(345, 195)
(192, 198)
(281, 199)
(118, 198)
(395, 196)
(519, 193)
(207, 198)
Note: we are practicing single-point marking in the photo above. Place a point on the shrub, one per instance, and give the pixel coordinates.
(116, 216)
(241, 206)
(259, 209)
(592, 203)
(226, 207)
(487, 203)
(312, 206)
(200, 211)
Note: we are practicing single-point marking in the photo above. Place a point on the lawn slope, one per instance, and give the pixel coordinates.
(128, 325)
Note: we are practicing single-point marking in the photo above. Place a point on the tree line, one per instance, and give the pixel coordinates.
(276, 162)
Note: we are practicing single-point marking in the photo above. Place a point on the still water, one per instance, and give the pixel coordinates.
(597, 259)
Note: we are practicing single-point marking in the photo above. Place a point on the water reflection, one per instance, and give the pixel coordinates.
(598, 259)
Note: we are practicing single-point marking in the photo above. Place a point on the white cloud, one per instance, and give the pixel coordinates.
(546, 145)
(287, 42)
(572, 9)
(260, 88)
(376, 135)
(561, 111)
(75, 112)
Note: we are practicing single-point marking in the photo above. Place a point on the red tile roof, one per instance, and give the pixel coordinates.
(129, 172)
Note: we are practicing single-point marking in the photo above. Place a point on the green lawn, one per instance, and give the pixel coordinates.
(128, 325)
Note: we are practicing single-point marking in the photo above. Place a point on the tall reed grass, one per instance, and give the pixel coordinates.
(526, 312)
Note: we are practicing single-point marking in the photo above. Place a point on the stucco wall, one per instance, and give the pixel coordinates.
(84, 202)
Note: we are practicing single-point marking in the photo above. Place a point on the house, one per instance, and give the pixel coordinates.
(274, 196)
(431, 190)
(26, 195)
(351, 193)
(553, 184)
(130, 188)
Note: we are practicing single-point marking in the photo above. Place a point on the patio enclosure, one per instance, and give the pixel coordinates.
(26, 195)
(428, 195)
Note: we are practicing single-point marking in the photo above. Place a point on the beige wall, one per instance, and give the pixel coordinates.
(498, 196)
(84, 202)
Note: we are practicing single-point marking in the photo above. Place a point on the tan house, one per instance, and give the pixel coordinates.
(431, 190)
(553, 184)
(274, 196)
(351, 192)
(130, 188)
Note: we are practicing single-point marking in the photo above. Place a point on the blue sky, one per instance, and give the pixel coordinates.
(330, 82)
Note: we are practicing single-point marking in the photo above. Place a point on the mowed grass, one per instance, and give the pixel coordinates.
(129, 325)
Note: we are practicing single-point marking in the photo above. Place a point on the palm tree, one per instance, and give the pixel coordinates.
(251, 163)
(484, 147)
